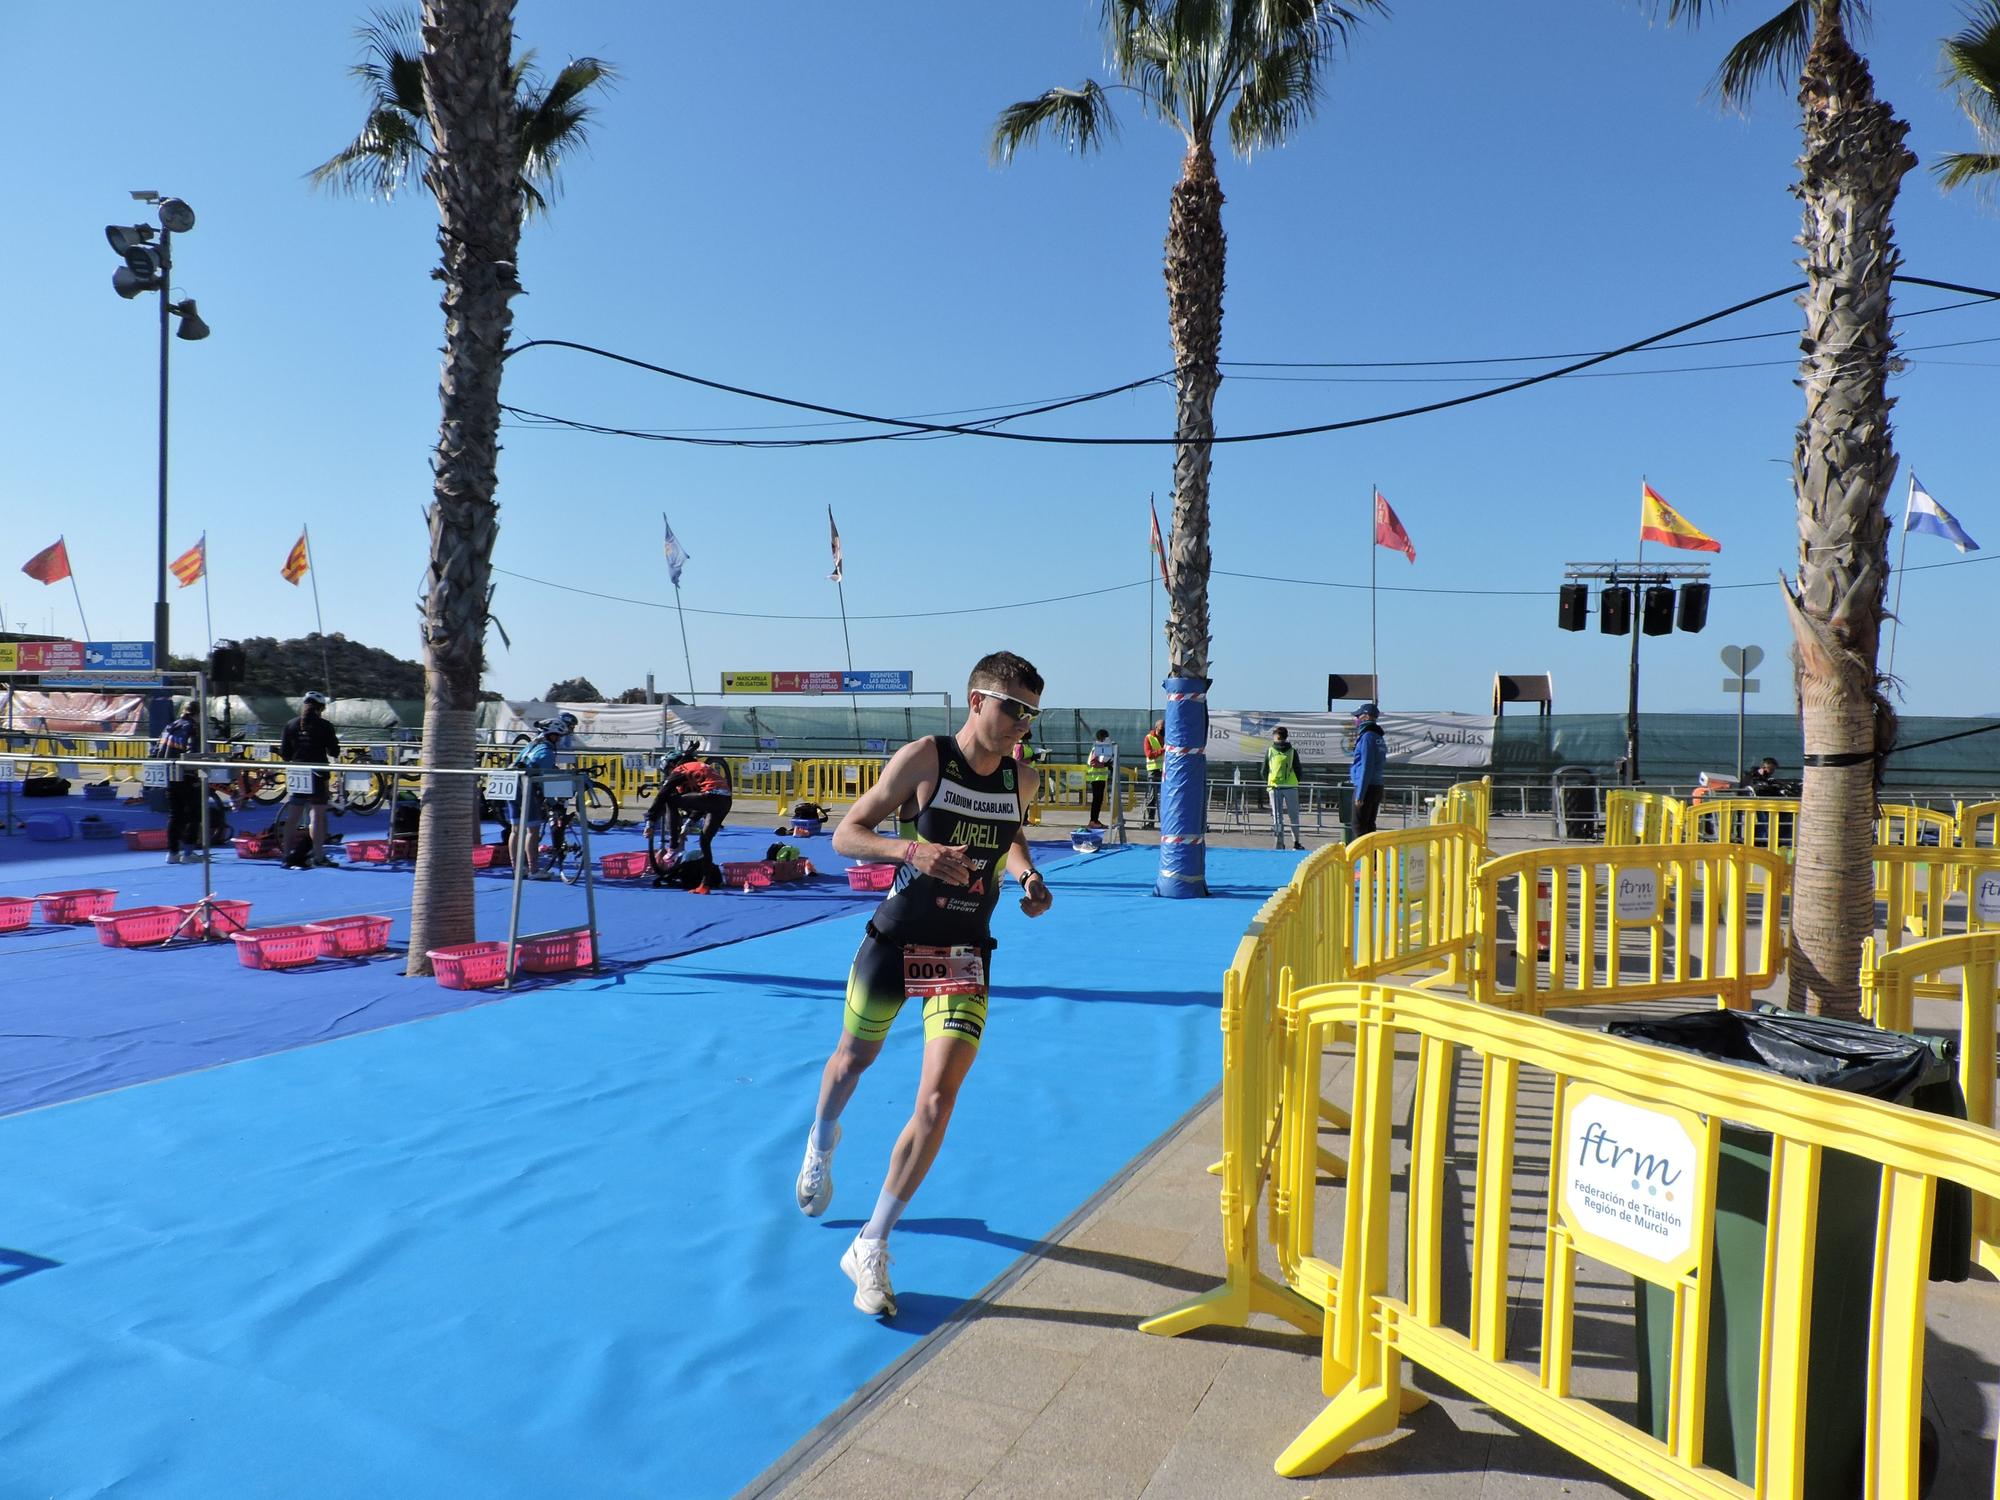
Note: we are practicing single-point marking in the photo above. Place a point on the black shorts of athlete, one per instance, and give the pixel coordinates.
(875, 996)
(322, 786)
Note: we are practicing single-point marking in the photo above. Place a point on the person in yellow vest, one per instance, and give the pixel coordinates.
(1156, 759)
(1281, 777)
(1097, 775)
(1028, 752)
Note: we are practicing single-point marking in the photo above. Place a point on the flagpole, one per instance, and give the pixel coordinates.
(853, 703)
(1896, 611)
(207, 609)
(1149, 617)
(77, 594)
(319, 624)
(1373, 670)
(685, 654)
(1634, 616)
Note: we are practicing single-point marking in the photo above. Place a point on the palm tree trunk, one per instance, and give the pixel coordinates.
(1195, 264)
(1196, 259)
(474, 177)
(1843, 463)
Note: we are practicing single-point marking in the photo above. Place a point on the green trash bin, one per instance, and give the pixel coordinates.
(1855, 1058)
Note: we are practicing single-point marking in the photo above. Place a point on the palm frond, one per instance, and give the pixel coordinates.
(1278, 95)
(392, 63)
(1972, 68)
(1775, 51)
(554, 121)
(1080, 118)
(378, 162)
(1960, 167)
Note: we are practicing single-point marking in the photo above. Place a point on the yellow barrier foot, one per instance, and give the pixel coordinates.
(1412, 1400)
(1231, 1305)
(1354, 1416)
(1215, 1170)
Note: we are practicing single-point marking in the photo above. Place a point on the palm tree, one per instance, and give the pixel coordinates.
(1258, 67)
(485, 137)
(1972, 66)
(1843, 461)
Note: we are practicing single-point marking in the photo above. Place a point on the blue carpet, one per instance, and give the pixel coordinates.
(77, 1018)
(547, 1246)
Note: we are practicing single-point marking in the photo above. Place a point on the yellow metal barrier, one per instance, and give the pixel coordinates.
(1905, 823)
(1890, 985)
(1254, 992)
(1412, 903)
(1977, 825)
(1469, 803)
(1675, 1104)
(1759, 822)
(1632, 816)
(1691, 905)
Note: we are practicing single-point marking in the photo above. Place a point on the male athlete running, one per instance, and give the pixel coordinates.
(963, 798)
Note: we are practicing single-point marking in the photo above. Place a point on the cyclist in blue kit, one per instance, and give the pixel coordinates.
(930, 939)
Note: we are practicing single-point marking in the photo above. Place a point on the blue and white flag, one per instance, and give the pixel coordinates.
(1925, 514)
(677, 555)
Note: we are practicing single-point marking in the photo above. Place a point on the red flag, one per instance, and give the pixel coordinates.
(1159, 547)
(1389, 531)
(50, 565)
(297, 562)
(839, 567)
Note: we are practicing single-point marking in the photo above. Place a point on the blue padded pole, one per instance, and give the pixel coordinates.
(1184, 791)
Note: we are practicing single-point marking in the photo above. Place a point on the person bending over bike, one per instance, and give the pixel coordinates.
(537, 758)
(694, 791)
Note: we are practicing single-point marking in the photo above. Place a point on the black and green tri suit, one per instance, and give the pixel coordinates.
(983, 813)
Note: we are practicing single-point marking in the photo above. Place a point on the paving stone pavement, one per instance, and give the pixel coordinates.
(1046, 1389)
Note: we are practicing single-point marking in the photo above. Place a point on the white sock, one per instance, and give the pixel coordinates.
(888, 1209)
(822, 1134)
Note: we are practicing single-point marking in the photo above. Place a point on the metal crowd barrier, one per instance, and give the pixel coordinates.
(1635, 816)
(1691, 905)
(1676, 1103)
(1890, 985)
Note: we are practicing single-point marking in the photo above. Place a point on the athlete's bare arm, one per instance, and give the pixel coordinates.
(1035, 896)
(909, 777)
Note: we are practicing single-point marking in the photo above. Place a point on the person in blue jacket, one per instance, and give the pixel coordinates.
(1365, 771)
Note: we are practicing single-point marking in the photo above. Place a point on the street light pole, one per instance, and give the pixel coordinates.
(160, 592)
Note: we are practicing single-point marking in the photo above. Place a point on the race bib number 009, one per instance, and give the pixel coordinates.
(943, 971)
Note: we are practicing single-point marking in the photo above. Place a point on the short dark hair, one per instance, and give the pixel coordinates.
(1281, 730)
(1104, 734)
(1000, 670)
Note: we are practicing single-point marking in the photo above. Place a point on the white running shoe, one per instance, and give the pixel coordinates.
(173, 859)
(815, 1185)
(867, 1266)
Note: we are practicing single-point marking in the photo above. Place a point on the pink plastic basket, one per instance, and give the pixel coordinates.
(624, 865)
(278, 947)
(470, 966)
(256, 847)
(16, 912)
(145, 838)
(489, 856)
(353, 937)
(379, 851)
(871, 877)
(224, 917)
(748, 873)
(137, 925)
(552, 952)
(74, 906)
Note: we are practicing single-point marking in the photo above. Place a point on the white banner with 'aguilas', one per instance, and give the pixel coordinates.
(1323, 739)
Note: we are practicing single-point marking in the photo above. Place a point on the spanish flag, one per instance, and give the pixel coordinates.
(296, 562)
(191, 564)
(1660, 522)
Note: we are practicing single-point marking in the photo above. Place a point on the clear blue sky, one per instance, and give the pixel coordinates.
(799, 200)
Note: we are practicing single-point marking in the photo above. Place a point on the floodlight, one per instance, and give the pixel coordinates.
(124, 237)
(176, 216)
(128, 286)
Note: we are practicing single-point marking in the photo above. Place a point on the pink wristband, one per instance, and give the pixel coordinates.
(910, 854)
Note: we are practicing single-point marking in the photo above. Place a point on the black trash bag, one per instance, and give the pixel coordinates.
(1852, 1056)
(1848, 1055)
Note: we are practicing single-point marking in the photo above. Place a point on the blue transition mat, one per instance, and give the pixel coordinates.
(547, 1246)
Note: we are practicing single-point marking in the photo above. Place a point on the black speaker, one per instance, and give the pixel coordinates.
(225, 665)
(1572, 604)
(1658, 618)
(1694, 606)
(1614, 609)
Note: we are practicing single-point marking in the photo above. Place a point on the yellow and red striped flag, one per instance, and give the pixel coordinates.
(191, 564)
(296, 562)
(1660, 522)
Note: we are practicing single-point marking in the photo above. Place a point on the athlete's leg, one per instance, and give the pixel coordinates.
(947, 1059)
(851, 1058)
(874, 996)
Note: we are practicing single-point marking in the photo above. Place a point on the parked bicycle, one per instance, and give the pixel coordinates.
(600, 802)
(561, 855)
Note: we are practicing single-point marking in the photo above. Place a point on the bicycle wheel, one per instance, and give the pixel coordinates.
(600, 806)
(568, 858)
(368, 799)
(660, 856)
